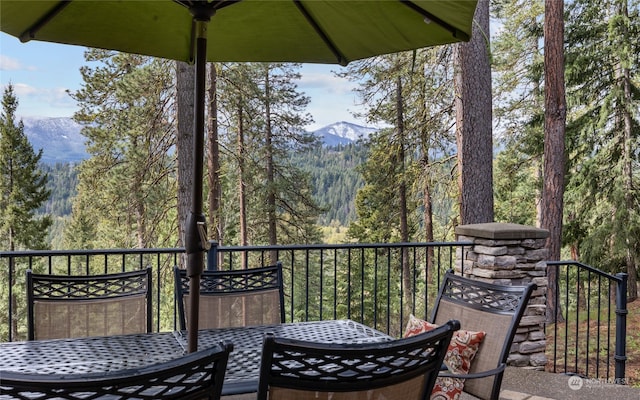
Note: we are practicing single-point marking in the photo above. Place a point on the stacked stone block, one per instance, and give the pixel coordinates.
(511, 254)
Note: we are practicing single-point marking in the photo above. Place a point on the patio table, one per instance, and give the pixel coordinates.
(112, 353)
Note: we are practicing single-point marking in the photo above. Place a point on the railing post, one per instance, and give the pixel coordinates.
(511, 254)
(620, 356)
(11, 302)
(212, 257)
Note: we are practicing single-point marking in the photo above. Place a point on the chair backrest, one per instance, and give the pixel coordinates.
(399, 369)
(78, 306)
(234, 298)
(198, 375)
(482, 306)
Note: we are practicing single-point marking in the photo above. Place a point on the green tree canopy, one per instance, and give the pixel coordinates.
(22, 184)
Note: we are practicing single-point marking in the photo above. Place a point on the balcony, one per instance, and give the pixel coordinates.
(363, 282)
(375, 284)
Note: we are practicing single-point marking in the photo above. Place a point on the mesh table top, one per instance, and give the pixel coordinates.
(243, 369)
(111, 353)
(92, 354)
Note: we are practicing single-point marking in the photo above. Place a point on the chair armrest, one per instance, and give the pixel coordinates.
(475, 375)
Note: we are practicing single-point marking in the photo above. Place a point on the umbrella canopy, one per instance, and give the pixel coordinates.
(310, 31)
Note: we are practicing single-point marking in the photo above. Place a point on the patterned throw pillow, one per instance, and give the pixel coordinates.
(462, 348)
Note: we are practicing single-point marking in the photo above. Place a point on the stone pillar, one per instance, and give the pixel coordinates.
(511, 254)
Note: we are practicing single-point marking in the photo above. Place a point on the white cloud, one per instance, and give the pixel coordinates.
(52, 98)
(332, 97)
(326, 82)
(44, 95)
(23, 90)
(43, 102)
(11, 64)
(59, 98)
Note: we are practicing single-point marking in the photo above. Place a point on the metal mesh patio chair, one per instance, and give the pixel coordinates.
(198, 375)
(78, 306)
(399, 369)
(234, 298)
(482, 306)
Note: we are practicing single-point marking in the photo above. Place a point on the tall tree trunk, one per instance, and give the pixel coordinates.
(427, 203)
(554, 134)
(271, 195)
(472, 85)
(402, 199)
(242, 187)
(625, 78)
(185, 88)
(140, 222)
(14, 298)
(213, 161)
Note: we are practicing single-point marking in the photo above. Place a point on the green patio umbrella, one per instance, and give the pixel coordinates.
(309, 31)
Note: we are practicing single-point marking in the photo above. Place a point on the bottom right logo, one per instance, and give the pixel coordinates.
(575, 382)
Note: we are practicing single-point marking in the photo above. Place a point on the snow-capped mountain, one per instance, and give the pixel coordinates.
(342, 133)
(59, 139)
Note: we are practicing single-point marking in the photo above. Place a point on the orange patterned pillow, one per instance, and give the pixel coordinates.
(462, 348)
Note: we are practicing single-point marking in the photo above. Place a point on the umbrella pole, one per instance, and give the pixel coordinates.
(196, 240)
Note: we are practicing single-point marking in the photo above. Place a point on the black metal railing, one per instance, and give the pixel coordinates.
(375, 284)
(363, 282)
(82, 262)
(588, 333)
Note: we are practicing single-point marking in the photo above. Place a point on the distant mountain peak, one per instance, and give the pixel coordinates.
(61, 141)
(343, 133)
(59, 138)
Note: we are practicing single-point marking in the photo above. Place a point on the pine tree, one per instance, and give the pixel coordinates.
(185, 137)
(472, 84)
(600, 225)
(554, 129)
(518, 67)
(80, 230)
(289, 208)
(22, 184)
(128, 182)
(514, 187)
(412, 92)
(213, 158)
(430, 120)
(236, 86)
(408, 92)
(265, 115)
(603, 87)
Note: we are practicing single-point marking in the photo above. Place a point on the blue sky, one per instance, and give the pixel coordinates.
(41, 73)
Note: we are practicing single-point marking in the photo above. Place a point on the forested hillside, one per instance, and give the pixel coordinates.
(333, 171)
(335, 179)
(62, 182)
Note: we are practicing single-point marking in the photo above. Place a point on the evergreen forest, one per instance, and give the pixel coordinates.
(267, 181)
(333, 172)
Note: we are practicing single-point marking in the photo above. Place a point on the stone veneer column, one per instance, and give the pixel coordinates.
(511, 254)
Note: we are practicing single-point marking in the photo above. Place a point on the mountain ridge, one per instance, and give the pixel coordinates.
(342, 132)
(61, 141)
(58, 137)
